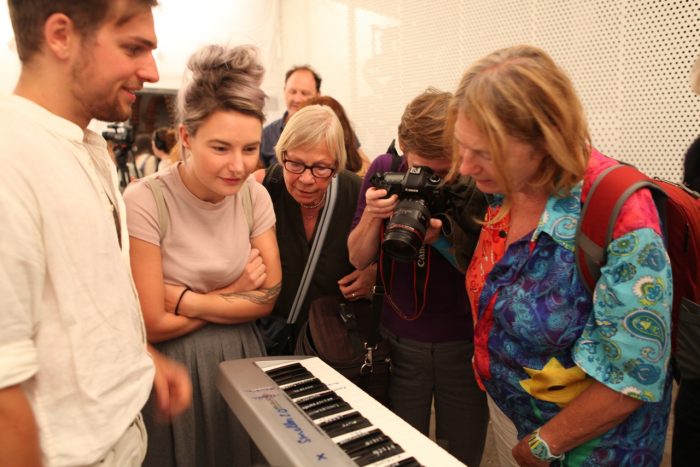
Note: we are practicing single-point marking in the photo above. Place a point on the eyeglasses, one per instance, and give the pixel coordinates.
(318, 171)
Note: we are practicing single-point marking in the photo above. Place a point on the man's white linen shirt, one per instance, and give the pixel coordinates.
(71, 330)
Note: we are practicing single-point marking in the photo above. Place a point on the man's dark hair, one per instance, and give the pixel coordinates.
(28, 18)
(317, 77)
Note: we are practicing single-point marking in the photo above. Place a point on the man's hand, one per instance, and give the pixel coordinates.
(172, 386)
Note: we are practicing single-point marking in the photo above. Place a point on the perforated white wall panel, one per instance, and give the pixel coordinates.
(629, 60)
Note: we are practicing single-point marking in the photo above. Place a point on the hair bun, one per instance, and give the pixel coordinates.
(221, 78)
(214, 63)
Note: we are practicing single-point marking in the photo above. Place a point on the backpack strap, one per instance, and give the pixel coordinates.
(607, 195)
(247, 199)
(162, 210)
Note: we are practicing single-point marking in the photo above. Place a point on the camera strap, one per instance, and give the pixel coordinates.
(421, 275)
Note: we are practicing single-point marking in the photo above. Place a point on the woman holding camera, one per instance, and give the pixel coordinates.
(426, 316)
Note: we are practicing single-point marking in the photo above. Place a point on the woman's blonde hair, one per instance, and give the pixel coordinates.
(310, 126)
(519, 92)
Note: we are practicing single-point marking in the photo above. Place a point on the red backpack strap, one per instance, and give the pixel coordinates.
(607, 195)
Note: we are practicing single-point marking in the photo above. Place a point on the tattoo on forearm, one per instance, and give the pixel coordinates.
(259, 297)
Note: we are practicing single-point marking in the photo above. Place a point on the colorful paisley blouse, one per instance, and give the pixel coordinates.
(540, 337)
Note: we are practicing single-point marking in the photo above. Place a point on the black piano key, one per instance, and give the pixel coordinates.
(364, 441)
(408, 462)
(330, 408)
(287, 371)
(284, 369)
(301, 375)
(368, 450)
(315, 401)
(306, 388)
(344, 424)
(381, 452)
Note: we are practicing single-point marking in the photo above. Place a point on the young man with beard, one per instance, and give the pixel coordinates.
(74, 365)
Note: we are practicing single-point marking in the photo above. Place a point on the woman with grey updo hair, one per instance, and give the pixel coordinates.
(207, 266)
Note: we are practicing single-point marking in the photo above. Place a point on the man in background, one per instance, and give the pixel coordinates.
(301, 83)
(74, 366)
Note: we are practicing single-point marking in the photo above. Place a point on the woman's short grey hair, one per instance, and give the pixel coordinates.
(221, 78)
(310, 126)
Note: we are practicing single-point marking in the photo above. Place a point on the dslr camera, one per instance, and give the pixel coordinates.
(421, 196)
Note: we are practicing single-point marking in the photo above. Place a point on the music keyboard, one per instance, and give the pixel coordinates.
(301, 412)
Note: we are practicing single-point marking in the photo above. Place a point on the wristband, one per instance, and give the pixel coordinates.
(540, 449)
(177, 305)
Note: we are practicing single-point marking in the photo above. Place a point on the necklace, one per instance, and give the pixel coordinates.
(314, 205)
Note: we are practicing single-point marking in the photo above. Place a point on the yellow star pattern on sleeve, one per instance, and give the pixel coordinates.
(554, 383)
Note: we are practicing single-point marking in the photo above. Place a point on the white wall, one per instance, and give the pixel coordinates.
(9, 63)
(181, 28)
(629, 59)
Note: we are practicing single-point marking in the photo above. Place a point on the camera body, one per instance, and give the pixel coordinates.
(421, 196)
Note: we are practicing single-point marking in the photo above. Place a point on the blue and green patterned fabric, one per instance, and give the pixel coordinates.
(548, 337)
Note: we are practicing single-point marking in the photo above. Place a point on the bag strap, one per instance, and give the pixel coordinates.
(247, 200)
(315, 251)
(373, 337)
(162, 209)
(607, 195)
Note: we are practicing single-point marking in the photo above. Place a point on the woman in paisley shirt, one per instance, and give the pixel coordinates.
(583, 379)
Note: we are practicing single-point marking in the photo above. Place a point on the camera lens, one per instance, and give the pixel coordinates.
(405, 230)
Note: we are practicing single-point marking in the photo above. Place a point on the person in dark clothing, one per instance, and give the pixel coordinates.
(686, 414)
(426, 315)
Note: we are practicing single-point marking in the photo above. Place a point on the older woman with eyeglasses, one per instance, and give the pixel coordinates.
(311, 154)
